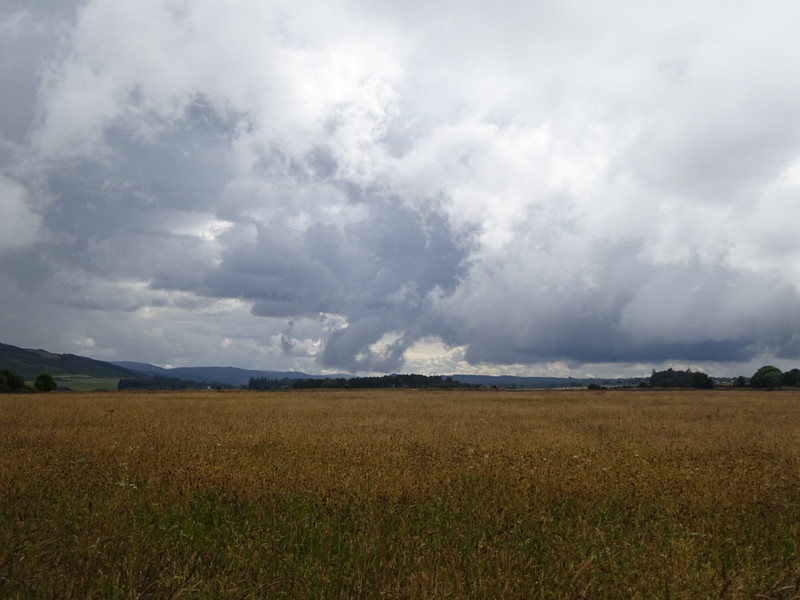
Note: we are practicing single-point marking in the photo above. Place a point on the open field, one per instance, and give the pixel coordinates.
(401, 494)
(85, 383)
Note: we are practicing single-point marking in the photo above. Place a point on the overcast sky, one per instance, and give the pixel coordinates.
(542, 188)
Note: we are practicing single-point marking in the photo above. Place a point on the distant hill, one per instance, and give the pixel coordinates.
(225, 375)
(29, 363)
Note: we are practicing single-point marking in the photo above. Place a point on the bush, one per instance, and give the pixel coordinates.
(14, 382)
(767, 377)
(702, 381)
(791, 378)
(44, 382)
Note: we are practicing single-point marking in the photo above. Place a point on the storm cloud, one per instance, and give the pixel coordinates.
(527, 188)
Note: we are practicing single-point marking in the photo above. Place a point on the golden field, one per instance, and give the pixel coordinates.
(401, 494)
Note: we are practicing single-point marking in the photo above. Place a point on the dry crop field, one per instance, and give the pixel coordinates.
(401, 494)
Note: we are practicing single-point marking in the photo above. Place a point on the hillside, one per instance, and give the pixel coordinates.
(69, 367)
(29, 363)
(226, 375)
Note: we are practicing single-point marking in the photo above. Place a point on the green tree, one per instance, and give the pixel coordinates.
(791, 378)
(672, 378)
(702, 381)
(44, 382)
(14, 381)
(767, 377)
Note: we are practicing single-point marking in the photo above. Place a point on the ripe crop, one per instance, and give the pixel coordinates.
(401, 494)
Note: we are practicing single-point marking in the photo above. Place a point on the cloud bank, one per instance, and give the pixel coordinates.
(343, 186)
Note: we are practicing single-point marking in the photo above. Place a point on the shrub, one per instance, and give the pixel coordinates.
(767, 377)
(702, 381)
(13, 381)
(44, 382)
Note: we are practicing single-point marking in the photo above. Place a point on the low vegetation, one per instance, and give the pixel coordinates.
(14, 383)
(401, 494)
(772, 378)
(385, 381)
(681, 379)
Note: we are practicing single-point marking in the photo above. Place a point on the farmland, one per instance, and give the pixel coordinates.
(401, 494)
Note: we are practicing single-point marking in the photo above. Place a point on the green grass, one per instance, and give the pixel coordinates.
(85, 383)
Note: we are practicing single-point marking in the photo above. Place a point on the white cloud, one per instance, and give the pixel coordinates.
(20, 226)
(532, 186)
(12, 23)
(141, 65)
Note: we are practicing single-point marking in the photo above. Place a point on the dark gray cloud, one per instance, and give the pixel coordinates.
(378, 272)
(627, 311)
(544, 189)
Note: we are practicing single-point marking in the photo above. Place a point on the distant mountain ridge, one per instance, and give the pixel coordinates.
(225, 375)
(29, 363)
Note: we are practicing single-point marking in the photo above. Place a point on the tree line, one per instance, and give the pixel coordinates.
(386, 381)
(770, 377)
(767, 377)
(681, 379)
(14, 383)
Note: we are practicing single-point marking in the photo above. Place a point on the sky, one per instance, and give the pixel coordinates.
(557, 188)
